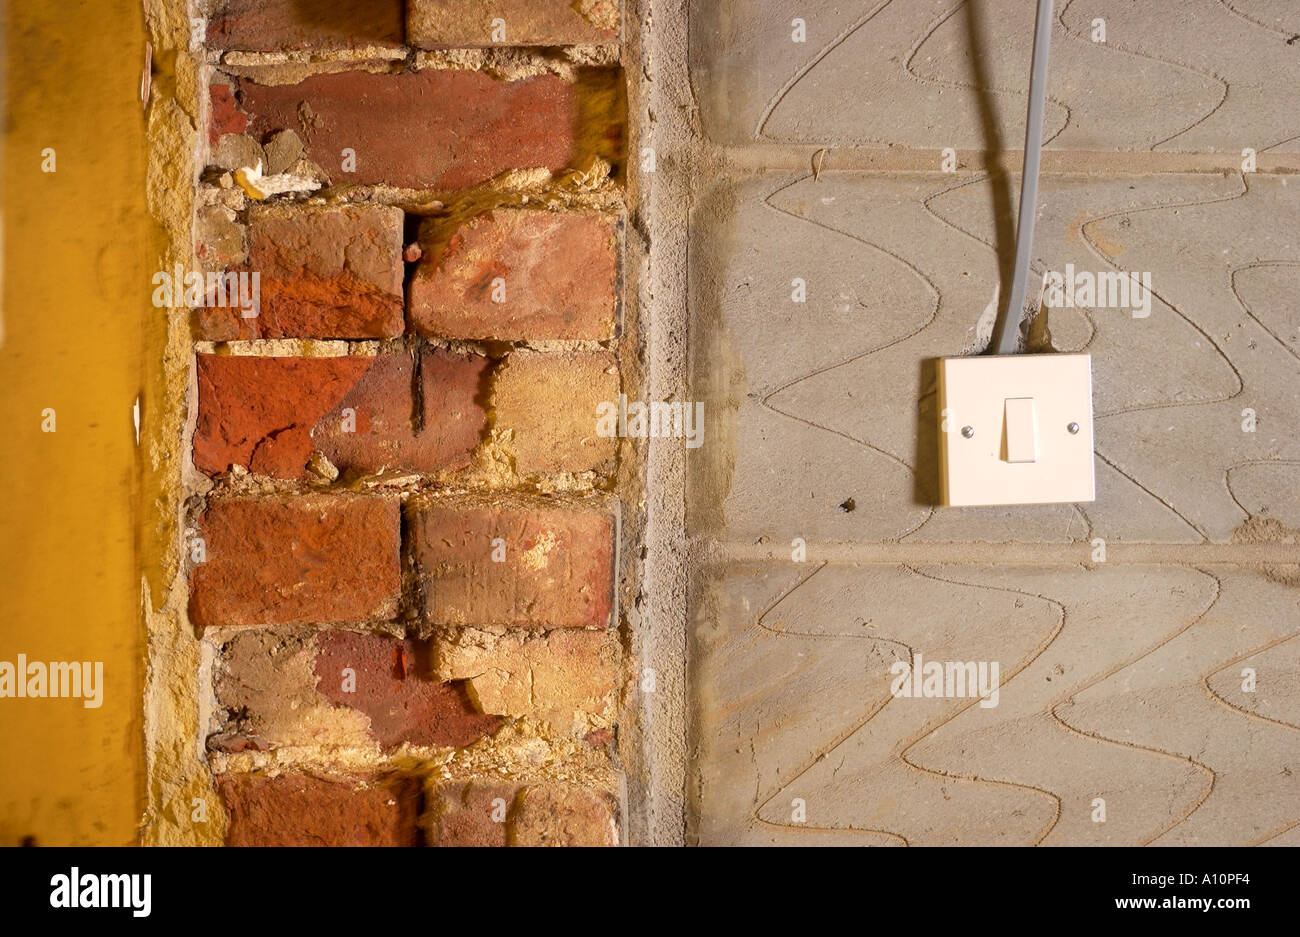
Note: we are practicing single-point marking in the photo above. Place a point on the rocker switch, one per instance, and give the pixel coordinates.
(1020, 435)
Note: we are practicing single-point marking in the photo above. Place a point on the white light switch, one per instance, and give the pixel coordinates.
(1018, 425)
(1016, 429)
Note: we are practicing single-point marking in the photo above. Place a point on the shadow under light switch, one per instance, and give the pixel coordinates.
(1016, 429)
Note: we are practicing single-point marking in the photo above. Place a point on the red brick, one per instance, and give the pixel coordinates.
(225, 115)
(451, 420)
(259, 412)
(559, 273)
(316, 558)
(463, 813)
(315, 25)
(324, 273)
(396, 689)
(437, 24)
(299, 810)
(547, 404)
(558, 570)
(455, 128)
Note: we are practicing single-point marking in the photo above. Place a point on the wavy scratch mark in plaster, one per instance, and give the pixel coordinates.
(1232, 281)
(1106, 258)
(1060, 626)
(967, 86)
(1093, 245)
(988, 245)
(1227, 479)
(934, 311)
(1115, 47)
(1273, 146)
(1205, 682)
(944, 221)
(848, 828)
(1227, 5)
(1124, 665)
(760, 130)
(1274, 834)
(762, 621)
(1193, 527)
(826, 750)
(761, 802)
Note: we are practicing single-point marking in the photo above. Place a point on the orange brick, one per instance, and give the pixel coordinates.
(298, 810)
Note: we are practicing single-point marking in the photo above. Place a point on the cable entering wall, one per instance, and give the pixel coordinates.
(1009, 322)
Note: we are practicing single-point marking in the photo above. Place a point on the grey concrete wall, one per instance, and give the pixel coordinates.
(1128, 630)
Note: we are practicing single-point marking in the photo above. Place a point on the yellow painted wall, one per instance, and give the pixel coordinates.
(75, 300)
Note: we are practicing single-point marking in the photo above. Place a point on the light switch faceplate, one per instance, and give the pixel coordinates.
(1016, 429)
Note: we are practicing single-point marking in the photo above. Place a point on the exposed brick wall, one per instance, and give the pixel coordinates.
(403, 535)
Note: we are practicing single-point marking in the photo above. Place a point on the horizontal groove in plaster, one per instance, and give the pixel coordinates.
(767, 157)
(1006, 554)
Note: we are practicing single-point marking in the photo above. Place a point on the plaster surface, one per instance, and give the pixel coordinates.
(1124, 628)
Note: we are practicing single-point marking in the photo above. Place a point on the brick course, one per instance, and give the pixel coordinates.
(394, 431)
(548, 403)
(396, 688)
(315, 25)
(269, 414)
(477, 813)
(259, 412)
(567, 676)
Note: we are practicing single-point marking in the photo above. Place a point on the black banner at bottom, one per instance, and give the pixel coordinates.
(139, 887)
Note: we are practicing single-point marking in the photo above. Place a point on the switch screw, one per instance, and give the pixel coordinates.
(1073, 428)
(968, 431)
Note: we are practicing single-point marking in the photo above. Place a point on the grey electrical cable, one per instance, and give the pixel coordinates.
(1009, 323)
